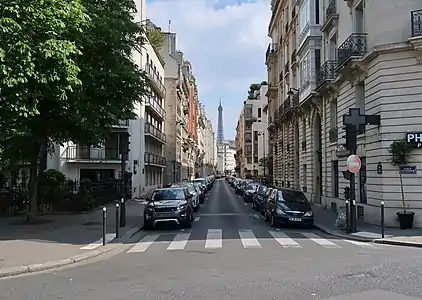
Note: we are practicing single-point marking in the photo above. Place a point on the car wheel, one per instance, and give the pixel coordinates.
(266, 218)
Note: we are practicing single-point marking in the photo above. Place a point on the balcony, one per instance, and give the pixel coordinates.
(271, 52)
(152, 159)
(295, 99)
(416, 23)
(248, 115)
(155, 80)
(354, 47)
(91, 154)
(326, 73)
(121, 124)
(154, 132)
(331, 17)
(286, 27)
(155, 108)
(271, 123)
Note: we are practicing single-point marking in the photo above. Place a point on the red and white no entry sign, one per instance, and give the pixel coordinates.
(353, 163)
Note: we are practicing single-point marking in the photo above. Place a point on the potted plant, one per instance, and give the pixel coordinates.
(400, 156)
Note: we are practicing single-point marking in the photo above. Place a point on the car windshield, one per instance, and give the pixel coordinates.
(292, 196)
(201, 181)
(262, 189)
(251, 187)
(189, 187)
(170, 194)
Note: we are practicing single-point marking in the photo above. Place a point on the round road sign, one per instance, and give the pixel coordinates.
(353, 163)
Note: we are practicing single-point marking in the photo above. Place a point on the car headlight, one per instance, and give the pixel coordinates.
(150, 207)
(309, 214)
(280, 212)
(182, 206)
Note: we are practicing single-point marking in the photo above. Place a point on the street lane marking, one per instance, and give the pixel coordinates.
(248, 239)
(246, 204)
(144, 244)
(109, 237)
(360, 244)
(319, 240)
(256, 216)
(214, 239)
(196, 219)
(284, 240)
(179, 242)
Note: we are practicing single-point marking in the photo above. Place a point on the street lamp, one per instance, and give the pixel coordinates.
(265, 159)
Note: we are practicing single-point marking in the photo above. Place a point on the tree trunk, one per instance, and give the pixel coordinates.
(32, 214)
(402, 192)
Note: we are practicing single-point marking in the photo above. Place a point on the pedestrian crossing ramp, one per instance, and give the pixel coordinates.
(245, 239)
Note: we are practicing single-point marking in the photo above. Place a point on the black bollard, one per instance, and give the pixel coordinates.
(347, 217)
(104, 225)
(382, 220)
(355, 217)
(122, 212)
(117, 220)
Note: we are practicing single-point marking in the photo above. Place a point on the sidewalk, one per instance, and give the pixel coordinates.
(64, 240)
(325, 220)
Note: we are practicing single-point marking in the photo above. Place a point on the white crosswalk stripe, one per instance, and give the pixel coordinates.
(248, 239)
(144, 243)
(319, 240)
(179, 242)
(284, 240)
(214, 239)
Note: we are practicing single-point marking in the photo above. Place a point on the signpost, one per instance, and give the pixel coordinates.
(355, 122)
(354, 164)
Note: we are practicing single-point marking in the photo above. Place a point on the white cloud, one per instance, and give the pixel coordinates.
(226, 46)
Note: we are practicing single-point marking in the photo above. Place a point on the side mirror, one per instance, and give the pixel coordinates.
(148, 199)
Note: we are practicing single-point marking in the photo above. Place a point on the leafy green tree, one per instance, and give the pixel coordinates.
(105, 83)
(38, 72)
(156, 39)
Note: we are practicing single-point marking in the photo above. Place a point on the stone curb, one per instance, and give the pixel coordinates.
(398, 243)
(13, 271)
(342, 235)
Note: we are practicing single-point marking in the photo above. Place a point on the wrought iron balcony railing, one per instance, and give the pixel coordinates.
(293, 57)
(154, 131)
(331, 8)
(156, 106)
(155, 78)
(354, 46)
(90, 153)
(154, 159)
(328, 71)
(416, 20)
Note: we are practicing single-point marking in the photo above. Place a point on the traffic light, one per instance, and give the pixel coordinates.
(347, 193)
(124, 143)
(350, 136)
(346, 174)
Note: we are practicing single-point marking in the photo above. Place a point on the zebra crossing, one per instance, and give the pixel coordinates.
(247, 239)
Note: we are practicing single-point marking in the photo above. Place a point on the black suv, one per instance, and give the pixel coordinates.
(169, 205)
(286, 206)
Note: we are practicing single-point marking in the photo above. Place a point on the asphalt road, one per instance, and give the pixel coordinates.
(231, 254)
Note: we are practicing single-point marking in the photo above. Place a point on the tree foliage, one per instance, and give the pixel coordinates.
(156, 39)
(68, 74)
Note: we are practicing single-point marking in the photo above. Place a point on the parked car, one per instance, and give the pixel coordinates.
(169, 205)
(200, 188)
(250, 191)
(286, 206)
(203, 182)
(258, 200)
(192, 191)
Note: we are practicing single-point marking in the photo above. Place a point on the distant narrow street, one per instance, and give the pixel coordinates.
(229, 253)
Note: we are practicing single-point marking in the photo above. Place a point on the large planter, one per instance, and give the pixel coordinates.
(406, 219)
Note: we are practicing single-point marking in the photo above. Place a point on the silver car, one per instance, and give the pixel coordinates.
(192, 191)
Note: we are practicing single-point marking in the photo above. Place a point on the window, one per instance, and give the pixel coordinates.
(259, 112)
(304, 178)
(317, 59)
(333, 114)
(362, 182)
(304, 16)
(317, 12)
(304, 70)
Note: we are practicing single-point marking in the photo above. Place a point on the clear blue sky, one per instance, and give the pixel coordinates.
(226, 42)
